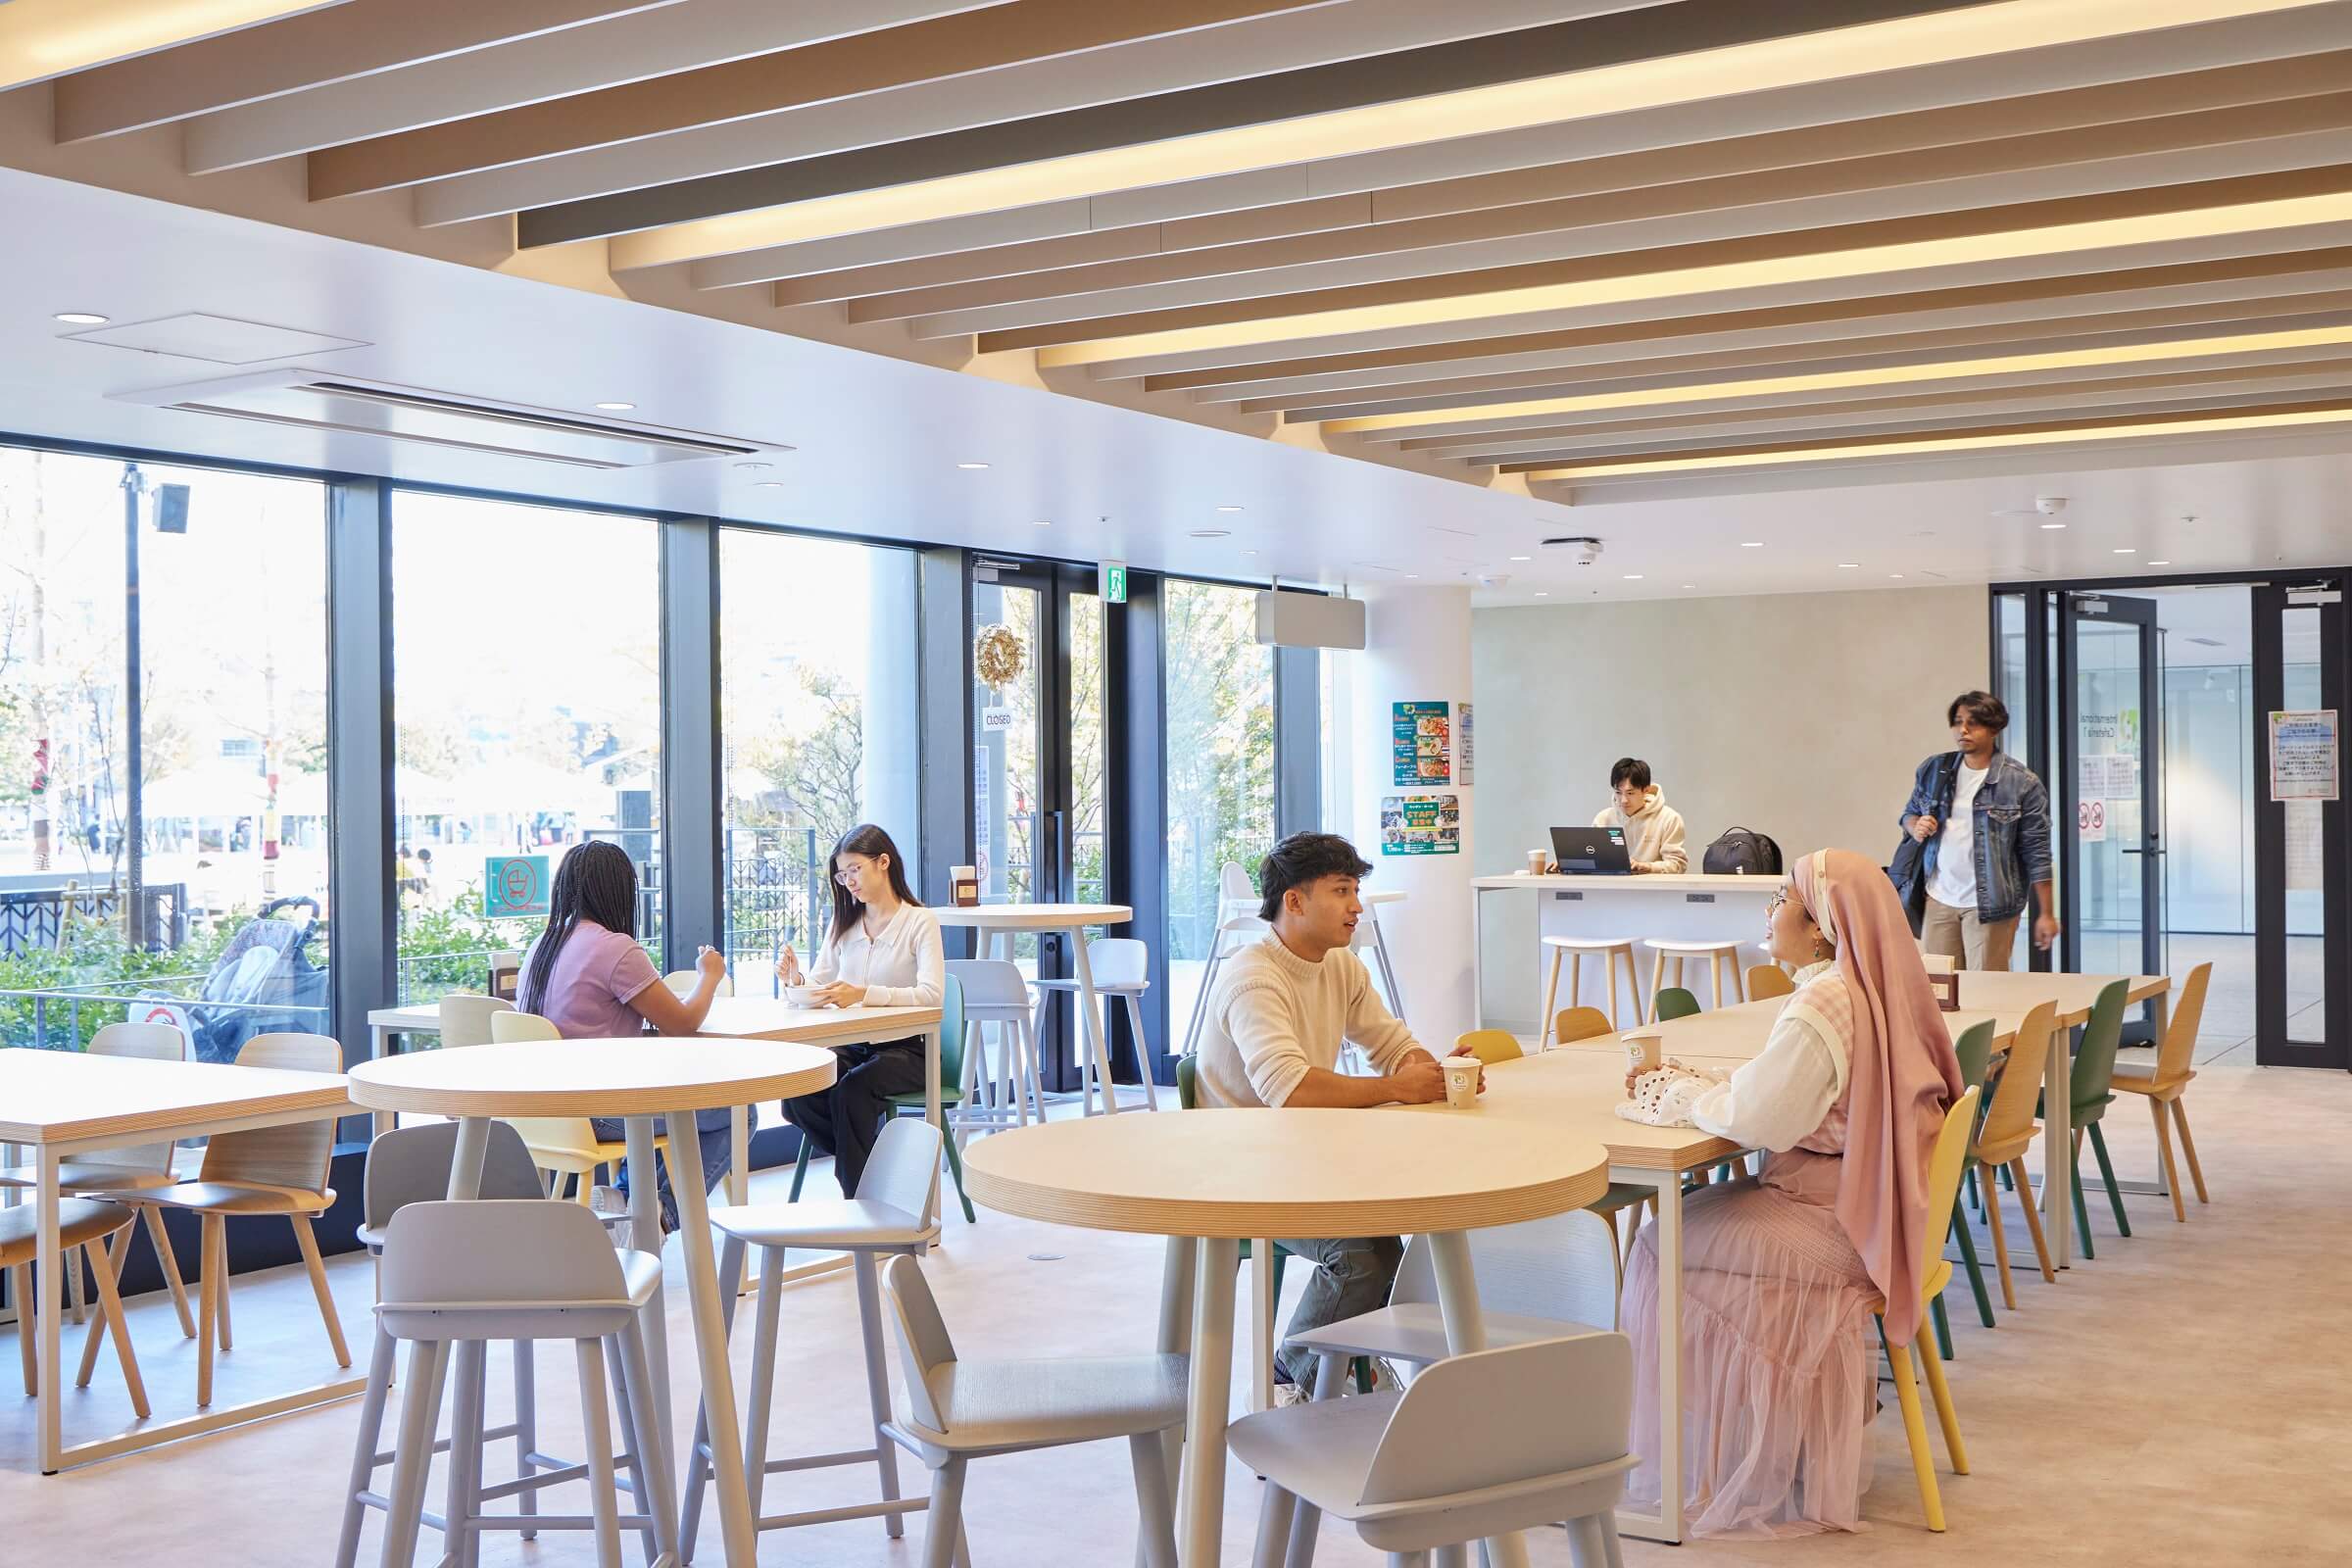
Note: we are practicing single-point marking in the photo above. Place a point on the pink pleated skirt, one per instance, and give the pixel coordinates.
(1777, 1381)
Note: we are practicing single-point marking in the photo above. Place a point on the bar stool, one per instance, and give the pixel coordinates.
(1238, 924)
(1576, 949)
(519, 1269)
(995, 992)
(890, 1214)
(1121, 968)
(1722, 958)
(410, 1165)
(1368, 936)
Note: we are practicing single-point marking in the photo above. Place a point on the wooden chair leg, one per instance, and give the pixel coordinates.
(2025, 1190)
(1552, 991)
(2164, 1149)
(1991, 1205)
(170, 1264)
(1657, 982)
(109, 1311)
(19, 1291)
(1915, 1429)
(110, 1262)
(219, 1267)
(1946, 1415)
(2189, 1146)
(208, 1304)
(309, 1243)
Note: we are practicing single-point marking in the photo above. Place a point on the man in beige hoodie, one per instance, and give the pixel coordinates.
(1653, 830)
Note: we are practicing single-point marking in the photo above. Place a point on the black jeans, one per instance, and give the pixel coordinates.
(845, 1120)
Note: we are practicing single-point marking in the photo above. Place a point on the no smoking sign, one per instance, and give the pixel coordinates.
(2091, 821)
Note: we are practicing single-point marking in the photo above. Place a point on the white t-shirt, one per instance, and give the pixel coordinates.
(1955, 881)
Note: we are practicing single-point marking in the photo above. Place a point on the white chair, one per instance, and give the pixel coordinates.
(1121, 967)
(465, 1018)
(1544, 1279)
(410, 1165)
(682, 982)
(959, 1411)
(1481, 1445)
(1369, 938)
(890, 1213)
(993, 992)
(1238, 925)
(1610, 951)
(518, 1269)
(121, 1171)
(561, 1145)
(1722, 958)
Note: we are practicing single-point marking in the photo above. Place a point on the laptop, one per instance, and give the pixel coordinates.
(1590, 851)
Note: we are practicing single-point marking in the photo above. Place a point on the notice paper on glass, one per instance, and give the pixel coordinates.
(1421, 824)
(1465, 745)
(1422, 740)
(2303, 755)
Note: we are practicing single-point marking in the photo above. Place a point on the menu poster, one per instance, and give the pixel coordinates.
(1421, 824)
(2303, 752)
(1465, 745)
(1420, 737)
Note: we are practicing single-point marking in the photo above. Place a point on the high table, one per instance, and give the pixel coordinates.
(639, 1079)
(1052, 919)
(62, 1103)
(1208, 1180)
(1688, 906)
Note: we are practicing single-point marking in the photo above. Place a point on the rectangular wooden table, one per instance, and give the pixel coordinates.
(64, 1103)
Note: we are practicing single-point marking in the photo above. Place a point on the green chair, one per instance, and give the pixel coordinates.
(1673, 1001)
(1974, 1048)
(950, 1094)
(2092, 1092)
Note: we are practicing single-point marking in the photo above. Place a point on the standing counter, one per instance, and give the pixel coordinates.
(1687, 908)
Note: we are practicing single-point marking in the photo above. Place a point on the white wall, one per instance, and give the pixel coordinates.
(1801, 715)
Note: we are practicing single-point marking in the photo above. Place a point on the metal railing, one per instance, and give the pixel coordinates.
(31, 918)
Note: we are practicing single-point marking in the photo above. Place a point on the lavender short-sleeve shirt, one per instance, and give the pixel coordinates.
(595, 975)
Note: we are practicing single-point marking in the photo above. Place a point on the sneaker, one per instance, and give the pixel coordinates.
(611, 1205)
(1290, 1393)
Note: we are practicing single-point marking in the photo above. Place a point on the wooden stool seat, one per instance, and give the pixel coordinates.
(1722, 958)
(1575, 949)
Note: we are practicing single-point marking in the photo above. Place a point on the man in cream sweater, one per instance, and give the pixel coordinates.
(1280, 1012)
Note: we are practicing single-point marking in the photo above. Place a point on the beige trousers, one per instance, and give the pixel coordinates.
(1966, 939)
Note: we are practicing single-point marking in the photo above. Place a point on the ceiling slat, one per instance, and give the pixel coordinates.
(353, 39)
(44, 38)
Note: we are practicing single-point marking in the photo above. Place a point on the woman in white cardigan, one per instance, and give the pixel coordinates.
(883, 951)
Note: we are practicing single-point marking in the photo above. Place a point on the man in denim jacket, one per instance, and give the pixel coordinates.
(1983, 823)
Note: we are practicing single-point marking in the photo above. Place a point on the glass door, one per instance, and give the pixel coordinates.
(2302, 1014)
(2110, 854)
(1038, 764)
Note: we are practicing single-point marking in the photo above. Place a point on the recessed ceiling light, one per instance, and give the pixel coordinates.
(1849, 565)
(1209, 533)
(1633, 577)
(1895, 575)
(616, 408)
(1523, 557)
(1229, 508)
(2159, 562)
(1413, 576)
(1542, 595)
(1690, 585)
(753, 467)
(770, 484)
(79, 319)
(1248, 552)
(1045, 522)
(971, 464)
(2126, 550)
(1752, 544)
(2052, 527)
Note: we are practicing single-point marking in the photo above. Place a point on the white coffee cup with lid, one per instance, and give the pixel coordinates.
(1461, 1081)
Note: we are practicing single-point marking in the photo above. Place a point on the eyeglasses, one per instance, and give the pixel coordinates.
(851, 874)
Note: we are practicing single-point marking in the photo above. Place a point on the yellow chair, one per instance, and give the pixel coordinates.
(1490, 1046)
(1768, 980)
(559, 1146)
(1944, 1189)
(2008, 1131)
(2163, 1082)
(1579, 1023)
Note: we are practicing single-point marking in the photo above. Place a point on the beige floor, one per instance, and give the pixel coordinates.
(2181, 1400)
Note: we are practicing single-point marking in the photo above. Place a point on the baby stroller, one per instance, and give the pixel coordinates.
(266, 969)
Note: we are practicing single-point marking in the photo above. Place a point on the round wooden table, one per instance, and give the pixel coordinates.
(1210, 1179)
(639, 1079)
(1053, 919)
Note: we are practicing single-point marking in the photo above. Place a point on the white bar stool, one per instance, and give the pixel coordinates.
(995, 992)
(1368, 935)
(1238, 925)
(1721, 957)
(1121, 970)
(1576, 949)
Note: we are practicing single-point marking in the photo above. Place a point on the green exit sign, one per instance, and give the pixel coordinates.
(1115, 582)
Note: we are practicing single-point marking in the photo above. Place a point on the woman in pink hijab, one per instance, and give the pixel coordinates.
(1780, 1272)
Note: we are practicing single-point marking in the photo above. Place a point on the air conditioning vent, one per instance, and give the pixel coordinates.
(312, 401)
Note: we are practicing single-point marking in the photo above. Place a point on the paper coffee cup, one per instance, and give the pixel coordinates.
(1645, 1050)
(1461, 1082)
(1536, 861)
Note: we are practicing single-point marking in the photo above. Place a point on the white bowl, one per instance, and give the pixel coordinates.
(805, 995)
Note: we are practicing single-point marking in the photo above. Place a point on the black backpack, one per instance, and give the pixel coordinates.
(1742, 852)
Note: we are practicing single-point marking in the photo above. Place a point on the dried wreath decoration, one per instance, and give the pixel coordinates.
(998, 656)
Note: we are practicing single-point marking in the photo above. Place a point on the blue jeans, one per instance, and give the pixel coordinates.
(710, 1129)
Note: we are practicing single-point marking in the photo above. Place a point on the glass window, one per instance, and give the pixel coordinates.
(227, 934)
(526, 652)
(1220, 765)
(818, 725)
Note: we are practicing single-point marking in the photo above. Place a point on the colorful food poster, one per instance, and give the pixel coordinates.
(1421, 738)
(1421, 824)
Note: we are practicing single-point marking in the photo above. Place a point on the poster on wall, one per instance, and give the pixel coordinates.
(2303, 749)
(1421, 824)
(1465, 745)
(1420, 738)
(513, 885)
